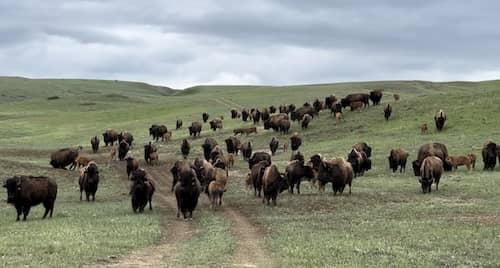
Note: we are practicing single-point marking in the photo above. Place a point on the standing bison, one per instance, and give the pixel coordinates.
(387, 112)
(273, 145)
(158, 132)
(89, 181)
(440, 119)
(246, 150)
(185, 148)
(27, 191)
(273, 183)
(337, 171)
(257, 157)
(109, 137)
(195, 129)
(208, 146)
(489, 153)
(187, 191)
(123, 149)
(305, 121)
(95, 144)
(295, 171)
(142, 191)
(376, 96)
(215, 124)
(397, 158)
(431, 171)
(233, 145)
(431, 149)
(295, 142)
(205, 116)
(178, 124)
(64, 157)
(126, 136)
(355, 97)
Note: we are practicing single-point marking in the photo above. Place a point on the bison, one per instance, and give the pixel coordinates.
(148, 149)
(396, 97)
(363, 146)
(359, 162)
(255, 176)
(273, 145)
(431, 171)
(232, 145)
(142, 191)
(256, 116)
(305, 121)
(64, 157)
(299, 114)
(397, 158)
(337, 171)
(158, 132)
(440, 119)
(257, 157)
(489, 153)
(272, 109)
(284, 126)
(387, 112)
(109, 137)
(185, 148)
(336, 108)
(126, 136)
(356, 105)
(273, 183)
(208, 146)
(204, 116)
(215, 124)
(132, 165)
(361, 97)
(187, 191)
(123, 149)
(295, 142)
(462, 160)
(295, 171)
(26, 191)
(245, 115)
(234, 114)
(247, 130)
(178, 124)
(376, 96)
(195, 129)
(329, 101)
(246, 150)
(89, 181)
(431, 149)
(95, 144)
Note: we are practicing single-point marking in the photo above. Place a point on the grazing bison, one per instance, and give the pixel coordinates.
(27, 191)
(255, 176)
(257, 157)
(89, 181)
(187, 191)
(126, 136)
(246, 150)
(215, 124)
(295, 141)
(440, 119)
(132, 165)
(489, 153)
(64, 157)
(397, 158)
(195, 129)
(361, 97)
(95, 144)
(208, 146)
(233, 145)
(273, 145)
(245, 115)
(204, 116)
(431, 171)
(273, 183)
(387, 111)
(123, 149)
(142, 191)
(274, 121)
(305, 121)
(178, 124)
(158, 132)
(298, 115)
(337, 171)
(329, 101)
(431, 149)
(461, 160)
(376, 96)
(359, 162)
(247, 130)
(185, 148)
(109, 136)
(295, 171)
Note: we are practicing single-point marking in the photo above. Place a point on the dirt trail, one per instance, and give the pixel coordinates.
(228, 103)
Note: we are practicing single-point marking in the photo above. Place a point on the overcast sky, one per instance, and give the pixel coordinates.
(186, 43)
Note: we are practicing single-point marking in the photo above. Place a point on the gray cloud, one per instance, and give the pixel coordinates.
(181, 44)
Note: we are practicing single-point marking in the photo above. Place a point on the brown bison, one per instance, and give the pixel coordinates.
(89, 181)
(215, 124)
(274, 121)
(234, 114)
(376, 96)
(123, 149)
(489, 153)
(283, 109)
(257, 157)
(361, 97)
(157, 132)
(265, 115)
(110, 136)
(431, 171)
(26, 191)
(195, 129)
(305, 121)
(255, 176)
(363, 146)
(247, 130)
(329, 101)
(142, 191)
(318, 106)
(148, 150)
(185, 148)
(273, 145)
(284, 126)
(64, 157)
(295, 141)
(297, 156)
(178, 124)
(273, 183)
(187, 191)
(126, 136)
(356, 105)
(397, 158)
(299, 114)
(233, 145)
(336, 108)
(431, 149)
(132, 165)
(256, 116)
(440, 119)
(205, 172)
(462, 160)
(95, 144)
(246, 150)
(208, 146)
(245, 115)
(396, 97)
(424, 129)
(217, 187)
(359, 162)
(204, 116)
(337, 171)
(295, 171)
(387, 111)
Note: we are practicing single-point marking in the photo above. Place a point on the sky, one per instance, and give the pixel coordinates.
(259, 42)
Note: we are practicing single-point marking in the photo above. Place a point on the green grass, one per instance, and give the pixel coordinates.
(387, 221)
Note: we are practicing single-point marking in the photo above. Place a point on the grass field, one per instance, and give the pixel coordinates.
(386, 221)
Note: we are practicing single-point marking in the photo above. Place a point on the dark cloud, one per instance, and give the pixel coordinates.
(265, 42)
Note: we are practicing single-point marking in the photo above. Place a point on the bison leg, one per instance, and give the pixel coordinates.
(81, 194)
(298, 187)
(26, 211)
(19, 210)
(150, 206)
(274, 199)
(47, 209)
(87, 195)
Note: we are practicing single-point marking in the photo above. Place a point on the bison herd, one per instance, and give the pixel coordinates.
(209, 174)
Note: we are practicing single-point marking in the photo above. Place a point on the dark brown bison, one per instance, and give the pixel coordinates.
(431, 171)
(397, 158)
(265, 115)
(246, 150)
(295, 142)
(337, 171)
(109, 137)
(187, 191)
(234, 114)
(245, 115)
(273, 183)
(291, 108)
(255, 176)
(318, 106)
(148, 150)
(205, 172)
(295, 171)
(195, 129)
(329, 101)
(208, 146)
(273, 145)
(296, 155)
(157, 132)
(215, 124)
(489, 153)
(178, 124)
(246, 130)
(273, 121)
(336, 108)
(64, 157)
(361, 97)
(257, 157)
(431, 149)
(387, 112)
(142, 191)
(272, 109)
(284, 126)
(256, 116)
(89, 181)
(132, 165)
(305, 121)
(95, 144)
(123, 149)
(233, 145)
(359, 162)
(283, 109)
(185, 148)
(204, 116)
(440, 119)
(299, 113)
(26, 191)
(175, 171)
(376, 96)
(126, 136)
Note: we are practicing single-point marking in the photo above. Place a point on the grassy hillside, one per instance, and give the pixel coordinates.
(385, 222)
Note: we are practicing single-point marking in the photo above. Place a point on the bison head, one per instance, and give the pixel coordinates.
(13, 186)
(393, 164)
(416, 167)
